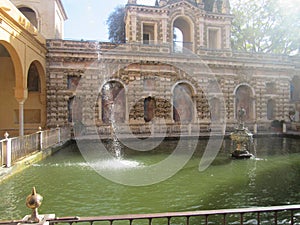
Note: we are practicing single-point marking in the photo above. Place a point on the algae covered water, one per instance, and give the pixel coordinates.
(70, 187)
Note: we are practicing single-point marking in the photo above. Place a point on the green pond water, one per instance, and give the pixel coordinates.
(71, 188)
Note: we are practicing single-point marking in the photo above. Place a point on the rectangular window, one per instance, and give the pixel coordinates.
(148, 33)
(146, 39)
(214, 40)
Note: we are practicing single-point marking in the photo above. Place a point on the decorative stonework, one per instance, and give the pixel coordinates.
(150, 71)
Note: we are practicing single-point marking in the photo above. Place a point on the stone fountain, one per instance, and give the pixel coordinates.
(242, 138)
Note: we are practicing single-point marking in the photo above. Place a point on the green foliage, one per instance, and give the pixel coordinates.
(265, 26)
(116, 25)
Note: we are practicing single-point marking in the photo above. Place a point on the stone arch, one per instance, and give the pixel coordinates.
(183, 103)
(17, 66)
(244, 98)
(35, 105)
(13, 89)
(30, 14)
(271, 109)
(113, 102)
(186, 26)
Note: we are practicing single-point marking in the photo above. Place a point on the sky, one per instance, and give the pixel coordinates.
(87, 18)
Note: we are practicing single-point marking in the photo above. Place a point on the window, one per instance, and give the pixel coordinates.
(271, 88)
(213, 38)
(30, 15)
(149, 34)
(146, 39)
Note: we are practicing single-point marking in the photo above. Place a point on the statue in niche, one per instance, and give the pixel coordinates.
(241, 117)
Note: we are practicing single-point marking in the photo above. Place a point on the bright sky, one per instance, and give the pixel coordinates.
(87, 18)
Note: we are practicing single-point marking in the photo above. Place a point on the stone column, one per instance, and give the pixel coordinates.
(21, 95)
(21, 118)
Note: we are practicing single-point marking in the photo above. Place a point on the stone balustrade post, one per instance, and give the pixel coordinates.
(58, 134)
(7, 150)
(190, 129)
(40, 137)
(283, 127)
(255, 128)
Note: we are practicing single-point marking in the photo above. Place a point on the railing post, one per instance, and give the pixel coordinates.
(40, 134)
(255, 128)
(34, 201)
(58, 134)
(284, 127)
(7, 150)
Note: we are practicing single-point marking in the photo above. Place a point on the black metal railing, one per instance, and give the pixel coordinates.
(273, 215)
(289, 214)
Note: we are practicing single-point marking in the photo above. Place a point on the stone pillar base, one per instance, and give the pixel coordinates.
(43, 220)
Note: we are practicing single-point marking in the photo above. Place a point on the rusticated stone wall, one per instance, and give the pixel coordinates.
(80, 69)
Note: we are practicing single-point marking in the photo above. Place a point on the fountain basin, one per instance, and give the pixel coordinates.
(227, 183)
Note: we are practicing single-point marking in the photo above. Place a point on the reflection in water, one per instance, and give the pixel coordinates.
(273, 178)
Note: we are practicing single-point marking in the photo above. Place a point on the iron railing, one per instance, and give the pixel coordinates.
(273, 215)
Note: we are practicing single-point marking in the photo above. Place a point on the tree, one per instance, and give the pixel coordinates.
(264, 26)
(116, 25)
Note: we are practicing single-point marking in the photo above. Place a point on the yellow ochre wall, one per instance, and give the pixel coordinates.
(25, 46)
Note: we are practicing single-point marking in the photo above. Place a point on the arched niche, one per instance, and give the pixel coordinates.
(33, 79)
(113, 102)
(35, 104)
(149, 109)
(244, 98)
(183, 105)
(184, 29)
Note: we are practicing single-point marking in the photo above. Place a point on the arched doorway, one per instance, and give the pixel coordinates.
(244, 98)
(182, 34)
(13, 90)
(113, 102)
(183, 106)
(9, 105)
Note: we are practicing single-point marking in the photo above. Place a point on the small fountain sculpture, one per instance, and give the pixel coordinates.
(242, 138)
